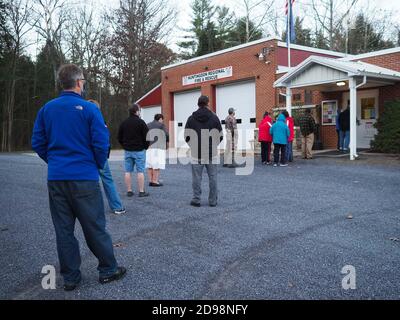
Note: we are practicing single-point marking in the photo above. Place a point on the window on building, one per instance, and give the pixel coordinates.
(282, 99)
(308, 94)
(296, 97)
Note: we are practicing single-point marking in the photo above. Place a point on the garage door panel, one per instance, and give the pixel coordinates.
(147, 114)
(185, 104)
(242, 97)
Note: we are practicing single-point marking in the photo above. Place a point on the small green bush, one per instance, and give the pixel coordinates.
(388, 138)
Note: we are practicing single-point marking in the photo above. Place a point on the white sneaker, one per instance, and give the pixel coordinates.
(284, 165)
(118, 212)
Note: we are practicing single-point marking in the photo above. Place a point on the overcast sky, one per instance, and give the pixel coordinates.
(184, 10)
(300, 7)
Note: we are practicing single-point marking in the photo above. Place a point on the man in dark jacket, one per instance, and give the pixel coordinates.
(344, 123)
(307, 129)
(203, 133)
(132, 135)
(71, 137)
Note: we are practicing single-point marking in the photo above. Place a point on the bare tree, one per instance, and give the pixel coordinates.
(330, 15)
(140, 27)
(50, 18)
(18, 14)
(259, 12)
(85, 43)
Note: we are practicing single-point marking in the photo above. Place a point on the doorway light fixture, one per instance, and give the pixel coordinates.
(341, 83)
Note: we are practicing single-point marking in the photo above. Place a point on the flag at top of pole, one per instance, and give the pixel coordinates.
(290, 31)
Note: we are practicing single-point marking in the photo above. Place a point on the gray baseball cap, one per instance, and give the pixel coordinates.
(231, 110)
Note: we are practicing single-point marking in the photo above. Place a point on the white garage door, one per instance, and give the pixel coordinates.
(185, 104)
(147, 114)
(242, 97)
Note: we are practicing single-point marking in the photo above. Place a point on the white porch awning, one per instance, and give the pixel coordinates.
(316, 71)
(327, 74)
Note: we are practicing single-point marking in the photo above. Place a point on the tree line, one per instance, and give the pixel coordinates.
(122, 49)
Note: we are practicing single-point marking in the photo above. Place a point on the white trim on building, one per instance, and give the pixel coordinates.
(315, 50)
(253, 43)
(372, 54)
(148, 93)
(217, 53)
(351, 68)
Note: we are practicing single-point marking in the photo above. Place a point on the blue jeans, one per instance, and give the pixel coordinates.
(344, 140)
(110, 190)
(135, 159)
(82, 200)
(289, 152)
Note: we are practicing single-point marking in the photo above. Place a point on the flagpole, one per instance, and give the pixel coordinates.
(288, 33)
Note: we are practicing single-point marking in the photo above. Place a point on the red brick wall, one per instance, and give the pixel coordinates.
(390, 61)
(297, 56)
(245, 65)
(388, 93)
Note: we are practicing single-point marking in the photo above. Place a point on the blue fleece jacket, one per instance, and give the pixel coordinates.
(71, 136)
(280, 131)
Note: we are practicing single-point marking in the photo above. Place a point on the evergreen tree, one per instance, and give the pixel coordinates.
(203, 31)
(320, 41)
(303, 35)
(388, 138)
(364, 38)
(239, 34)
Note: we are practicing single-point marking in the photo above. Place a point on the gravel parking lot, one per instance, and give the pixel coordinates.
(280, 233)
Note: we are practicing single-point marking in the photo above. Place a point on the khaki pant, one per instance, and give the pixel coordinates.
(307, 143)
(231, 146)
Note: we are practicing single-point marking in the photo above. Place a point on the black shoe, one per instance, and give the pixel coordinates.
(225, 165)
(152, 184)
(213, 205)
(231, 166)
(130, 194)
(118, 275)
(143, 194)
(195, 204)
(71, 287)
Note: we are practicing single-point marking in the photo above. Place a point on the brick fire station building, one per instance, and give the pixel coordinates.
(255, 77)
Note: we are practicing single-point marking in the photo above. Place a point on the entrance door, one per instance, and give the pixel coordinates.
(367, 115)
(185, 103)
(242, 97)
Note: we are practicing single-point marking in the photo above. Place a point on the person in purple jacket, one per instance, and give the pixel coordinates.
(71, 137)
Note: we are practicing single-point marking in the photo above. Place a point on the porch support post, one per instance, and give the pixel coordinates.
(353, 118)
(289, 100)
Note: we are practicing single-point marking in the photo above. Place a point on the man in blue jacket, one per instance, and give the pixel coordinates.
(71, 137)
(280, 134)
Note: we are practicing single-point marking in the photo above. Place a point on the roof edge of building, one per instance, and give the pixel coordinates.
(217, 53)
(314, 50)
(148, 93)
(372, 54)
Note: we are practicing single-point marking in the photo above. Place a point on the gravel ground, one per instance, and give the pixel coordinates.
(280, 233)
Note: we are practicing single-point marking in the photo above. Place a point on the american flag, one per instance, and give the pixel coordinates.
(287, 6)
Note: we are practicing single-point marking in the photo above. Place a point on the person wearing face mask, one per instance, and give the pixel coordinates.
(70, 135)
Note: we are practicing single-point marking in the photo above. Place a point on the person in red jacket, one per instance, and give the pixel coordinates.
(290, 124)
(265, 138)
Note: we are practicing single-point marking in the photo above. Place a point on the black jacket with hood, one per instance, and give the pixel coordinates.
(205, 127)
(344, 120)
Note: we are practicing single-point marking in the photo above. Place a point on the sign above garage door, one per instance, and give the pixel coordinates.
(208, 76)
